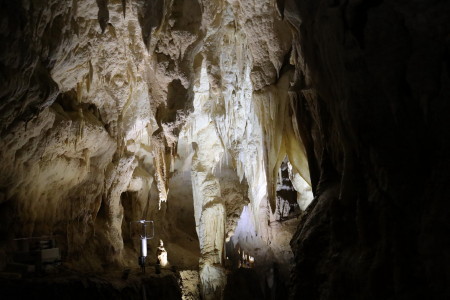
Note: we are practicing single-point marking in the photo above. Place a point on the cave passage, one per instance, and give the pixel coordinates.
(224, 149)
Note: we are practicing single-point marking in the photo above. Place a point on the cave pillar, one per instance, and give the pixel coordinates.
(209, 210)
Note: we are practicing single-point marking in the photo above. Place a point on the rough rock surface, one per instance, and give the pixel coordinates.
(219, 120)
(190, 284)
(374, 106)
(175, 111)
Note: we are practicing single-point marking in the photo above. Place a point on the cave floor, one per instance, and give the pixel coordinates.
(68, 284)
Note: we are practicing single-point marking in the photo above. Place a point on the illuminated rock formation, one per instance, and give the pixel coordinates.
(236, 126)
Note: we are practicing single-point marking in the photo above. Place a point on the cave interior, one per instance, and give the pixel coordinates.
(270, 149)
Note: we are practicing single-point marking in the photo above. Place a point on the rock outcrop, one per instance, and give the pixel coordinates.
(372, 107)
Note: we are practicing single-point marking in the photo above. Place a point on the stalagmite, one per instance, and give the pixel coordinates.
(161, 254)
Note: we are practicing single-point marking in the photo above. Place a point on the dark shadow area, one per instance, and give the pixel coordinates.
(126, 200)
(377, 150)
(103, 14)
(255, 283)
(177, 96)
(150, 14)
(243, 284)
(88, 286)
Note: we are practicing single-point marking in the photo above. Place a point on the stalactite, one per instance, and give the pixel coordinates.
(160, 170)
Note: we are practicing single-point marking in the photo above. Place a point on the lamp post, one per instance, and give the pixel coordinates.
(143, 235)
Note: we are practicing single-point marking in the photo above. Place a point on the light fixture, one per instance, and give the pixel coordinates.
(141, 230)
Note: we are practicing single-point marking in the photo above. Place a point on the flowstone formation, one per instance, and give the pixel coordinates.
(181, 112)
(219, 120)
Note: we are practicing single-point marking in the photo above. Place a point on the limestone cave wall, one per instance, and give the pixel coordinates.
(374, 121)
(221, 120)
(174, 111)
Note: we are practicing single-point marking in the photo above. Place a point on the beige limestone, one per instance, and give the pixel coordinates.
(176, 111)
